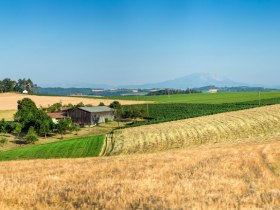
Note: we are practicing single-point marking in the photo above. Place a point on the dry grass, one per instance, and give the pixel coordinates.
(210, 177)
(7, 115)
(10, 100)
(226, 127)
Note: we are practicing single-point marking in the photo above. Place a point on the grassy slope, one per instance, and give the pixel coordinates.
(205, 98)
(82, 147)
(84, 132)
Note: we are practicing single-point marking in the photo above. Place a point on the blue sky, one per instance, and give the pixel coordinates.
(139, 41)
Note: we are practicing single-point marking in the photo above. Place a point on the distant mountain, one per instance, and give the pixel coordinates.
(236, 89)
(191, 81)
(76, 85)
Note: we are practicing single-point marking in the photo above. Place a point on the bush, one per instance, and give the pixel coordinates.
(101, 104)
(134, 112)
(64, 125)
(31, 136)
(76, 127)
(3, 126)
(56, 107)
(115, 105)
(17, 128)
(3, 141)
(81, 104)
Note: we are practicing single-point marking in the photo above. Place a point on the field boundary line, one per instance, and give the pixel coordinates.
(104, 146)
(108, 145)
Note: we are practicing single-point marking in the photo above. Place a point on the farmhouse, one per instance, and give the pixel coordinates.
(91, 115)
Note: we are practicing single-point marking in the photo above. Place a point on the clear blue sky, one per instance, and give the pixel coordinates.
(139, 41)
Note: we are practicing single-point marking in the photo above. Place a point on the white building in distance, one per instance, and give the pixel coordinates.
(213, 91)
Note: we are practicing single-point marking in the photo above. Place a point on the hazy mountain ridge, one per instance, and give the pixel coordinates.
(190, 81)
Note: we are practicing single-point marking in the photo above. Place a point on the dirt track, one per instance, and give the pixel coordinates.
(8, 101)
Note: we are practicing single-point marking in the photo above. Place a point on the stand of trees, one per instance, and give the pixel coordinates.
(173, 91)
(8, 85)
(124, 112)
(33, 122)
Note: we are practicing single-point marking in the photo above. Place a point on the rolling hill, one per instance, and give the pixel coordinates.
(226, 127)
(241, 176)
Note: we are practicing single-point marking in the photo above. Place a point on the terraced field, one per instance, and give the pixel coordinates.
(227, 127)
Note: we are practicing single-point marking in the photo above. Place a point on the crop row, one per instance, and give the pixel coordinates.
(158, 113)
(244, 125)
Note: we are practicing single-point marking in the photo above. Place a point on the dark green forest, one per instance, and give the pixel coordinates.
(9, 85)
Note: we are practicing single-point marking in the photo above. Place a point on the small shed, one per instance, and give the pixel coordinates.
(91, 115)
(57, 116)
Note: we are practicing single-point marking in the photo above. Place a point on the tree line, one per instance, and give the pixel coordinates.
(173, 92)
(9, 85)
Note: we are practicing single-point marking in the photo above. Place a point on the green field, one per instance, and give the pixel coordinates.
(205, 98)
(164, 112)
(75, 148)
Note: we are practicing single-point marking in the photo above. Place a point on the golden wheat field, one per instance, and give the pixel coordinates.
(236, 176)
(8, 101)
(7, 115)
(226, 127)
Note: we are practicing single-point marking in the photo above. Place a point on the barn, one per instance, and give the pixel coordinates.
(91, 115)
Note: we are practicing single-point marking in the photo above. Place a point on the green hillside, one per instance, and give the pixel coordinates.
(206, 98)
(82, 147)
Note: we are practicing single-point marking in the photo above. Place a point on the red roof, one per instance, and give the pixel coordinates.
(58, 115)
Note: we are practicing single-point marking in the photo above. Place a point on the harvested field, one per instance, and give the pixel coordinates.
(241, 176)
(8, 101)
(226, 127)
(7, 115)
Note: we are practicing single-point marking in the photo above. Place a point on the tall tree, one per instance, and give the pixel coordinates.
(43, 123)
(8, 85)
(27, 112)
